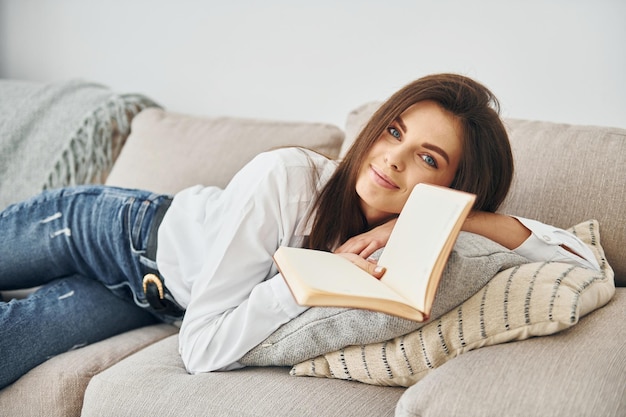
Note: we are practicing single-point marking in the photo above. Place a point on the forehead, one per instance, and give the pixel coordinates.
(431, 121)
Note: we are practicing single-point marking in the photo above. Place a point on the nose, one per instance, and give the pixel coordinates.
(392, 166)
(393, 159)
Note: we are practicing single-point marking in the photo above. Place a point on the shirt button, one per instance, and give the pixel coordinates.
(546, 238)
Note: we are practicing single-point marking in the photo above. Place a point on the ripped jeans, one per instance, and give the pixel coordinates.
(83, 245)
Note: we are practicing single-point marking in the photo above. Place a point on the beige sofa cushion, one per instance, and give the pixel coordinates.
(565, 174)
(154, 382)
(576, 373)
(56, 387)
(167, 152)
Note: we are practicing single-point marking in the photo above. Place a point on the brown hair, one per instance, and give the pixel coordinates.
(485, 169)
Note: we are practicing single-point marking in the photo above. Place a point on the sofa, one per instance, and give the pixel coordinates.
(567, 175)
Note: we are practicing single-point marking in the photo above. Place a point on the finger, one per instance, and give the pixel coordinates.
(351, 246)
(369, 250)
(370, 267)
(375, 270)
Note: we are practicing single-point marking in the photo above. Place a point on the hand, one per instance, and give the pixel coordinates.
(367, 265)
(369, 242)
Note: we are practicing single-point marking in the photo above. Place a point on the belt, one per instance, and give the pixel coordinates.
(154, 288)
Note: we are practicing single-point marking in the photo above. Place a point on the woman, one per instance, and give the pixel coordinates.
(214, 268)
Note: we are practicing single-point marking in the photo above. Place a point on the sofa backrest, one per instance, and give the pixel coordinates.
(564, 174)
(168, 151)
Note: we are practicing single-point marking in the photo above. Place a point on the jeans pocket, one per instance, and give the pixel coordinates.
(125, 291)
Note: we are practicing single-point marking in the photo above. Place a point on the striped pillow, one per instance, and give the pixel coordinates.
(533, 299)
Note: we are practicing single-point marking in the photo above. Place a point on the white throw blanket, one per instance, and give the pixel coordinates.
(59, 134)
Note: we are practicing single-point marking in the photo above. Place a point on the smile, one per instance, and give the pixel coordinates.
(381, 179)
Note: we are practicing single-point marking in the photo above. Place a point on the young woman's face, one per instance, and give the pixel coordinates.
(422, 145)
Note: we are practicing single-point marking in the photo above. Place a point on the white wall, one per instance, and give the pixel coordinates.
(559, 60)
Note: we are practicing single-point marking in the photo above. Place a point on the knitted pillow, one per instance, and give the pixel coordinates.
(528, 300)
(474, 260)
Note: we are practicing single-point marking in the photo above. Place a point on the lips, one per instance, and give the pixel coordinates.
(381, 179)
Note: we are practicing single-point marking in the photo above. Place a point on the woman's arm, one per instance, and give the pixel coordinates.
(530, 238)
(502, 229)
(505, 230)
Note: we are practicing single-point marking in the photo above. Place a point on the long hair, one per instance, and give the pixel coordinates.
(485, 169)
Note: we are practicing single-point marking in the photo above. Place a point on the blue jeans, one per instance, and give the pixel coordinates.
(84, 245)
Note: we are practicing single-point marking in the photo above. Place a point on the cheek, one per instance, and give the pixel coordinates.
(446, 180)
(374, 151)
(443, 179)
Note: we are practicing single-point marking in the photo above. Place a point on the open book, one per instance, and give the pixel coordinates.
(415, 257)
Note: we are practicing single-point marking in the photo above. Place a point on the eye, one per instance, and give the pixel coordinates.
(394, 132)
(429, 160)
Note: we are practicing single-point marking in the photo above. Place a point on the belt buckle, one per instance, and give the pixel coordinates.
(153, 279)
(154, 290)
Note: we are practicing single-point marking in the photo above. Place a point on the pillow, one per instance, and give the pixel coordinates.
(472, 262)
(167, 152)
(533, 299)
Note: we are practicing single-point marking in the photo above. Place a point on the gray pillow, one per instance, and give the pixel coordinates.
(473, 261)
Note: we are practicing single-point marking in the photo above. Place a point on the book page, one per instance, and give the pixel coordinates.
(321, 273)
(417, 240)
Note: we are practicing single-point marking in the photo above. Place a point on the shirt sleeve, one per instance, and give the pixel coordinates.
(546, 243)
(238, 298)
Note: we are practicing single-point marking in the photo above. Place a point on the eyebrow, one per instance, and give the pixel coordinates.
(438, 150)
(426, 145)
(401, 123)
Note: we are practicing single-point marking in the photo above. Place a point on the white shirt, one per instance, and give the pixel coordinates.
(215, 253)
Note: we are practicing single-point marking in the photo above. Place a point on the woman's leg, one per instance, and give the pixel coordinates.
(93, 231)
(92, 234)
(60, 316)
